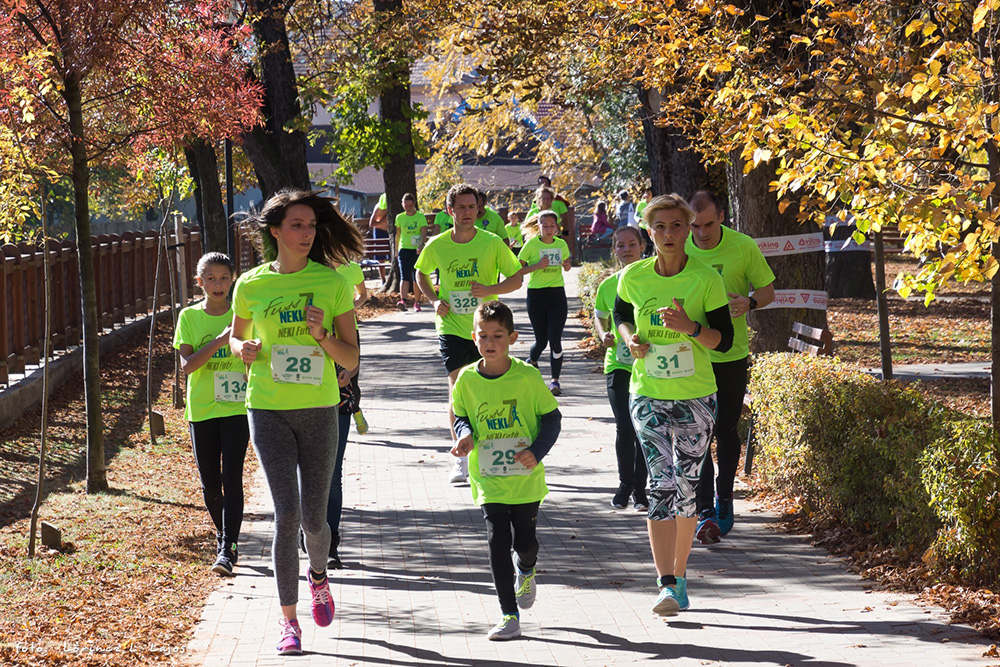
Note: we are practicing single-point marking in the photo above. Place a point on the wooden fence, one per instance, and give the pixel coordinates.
(124, 268)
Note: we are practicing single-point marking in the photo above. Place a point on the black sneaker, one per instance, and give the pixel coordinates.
(333, 561)
(641, 503)
(620, 501)
(225, 561)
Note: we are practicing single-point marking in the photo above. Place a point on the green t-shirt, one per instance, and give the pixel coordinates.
(557, 206)
(492, 222)
(443, 221)
(382, 203)
(618, 356)
(514, 233)
(552, 275)
(408, 230)
(505, 414)
(741, 264)
(291, 371)
(217, 388)
(481, 260)
(351, 272)
(676, 367)
(638, 214)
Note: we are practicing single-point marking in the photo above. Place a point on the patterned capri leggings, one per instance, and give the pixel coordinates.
(674, 436)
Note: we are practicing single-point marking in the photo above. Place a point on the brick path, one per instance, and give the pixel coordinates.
(417, 591)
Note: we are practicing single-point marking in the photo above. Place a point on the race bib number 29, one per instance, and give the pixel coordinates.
(297, 364)
(496, 457)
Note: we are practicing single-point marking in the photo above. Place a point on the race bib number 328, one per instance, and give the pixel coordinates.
(463, 303)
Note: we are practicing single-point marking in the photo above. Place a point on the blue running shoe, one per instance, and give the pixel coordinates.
(666, 603)
(681, 593)
(724, 514)
(708, 528)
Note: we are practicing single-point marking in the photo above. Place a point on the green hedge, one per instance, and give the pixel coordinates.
(880, 457)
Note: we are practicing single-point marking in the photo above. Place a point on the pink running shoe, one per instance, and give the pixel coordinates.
(291, 638)
(322, 604)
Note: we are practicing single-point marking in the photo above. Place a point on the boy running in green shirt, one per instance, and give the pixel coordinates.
(469, 261)
(506, 421)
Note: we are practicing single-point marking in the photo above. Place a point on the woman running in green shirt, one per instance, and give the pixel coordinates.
(293, 325)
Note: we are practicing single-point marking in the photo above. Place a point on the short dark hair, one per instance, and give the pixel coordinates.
(409, 196)
(217, 258)
(702, 199)
(495, 311)
(543, 177)
(460, 189)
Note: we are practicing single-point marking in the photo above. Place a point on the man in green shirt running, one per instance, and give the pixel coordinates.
(742, 266)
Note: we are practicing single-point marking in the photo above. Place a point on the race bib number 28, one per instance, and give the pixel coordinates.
(297, 364)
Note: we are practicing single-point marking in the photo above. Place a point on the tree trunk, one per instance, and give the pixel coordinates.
(755, 213)
(278, 153)
(204, 167)
(399, 175)
(97, 479)
(848, 273)
(673, 165)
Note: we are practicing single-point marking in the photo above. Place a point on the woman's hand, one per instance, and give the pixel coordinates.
(676, 319)
(314, 320)
(637, 347)
(609, 339)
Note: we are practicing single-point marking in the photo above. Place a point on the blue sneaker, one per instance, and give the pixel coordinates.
(666, 603)
(681, 593)
(724, 514)
(708, 527)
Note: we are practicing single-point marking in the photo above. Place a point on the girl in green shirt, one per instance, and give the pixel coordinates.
(215, 408)
(293, 324)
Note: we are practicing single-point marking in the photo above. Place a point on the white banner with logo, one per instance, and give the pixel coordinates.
(848, 245)
(798, 298)
(772, 246)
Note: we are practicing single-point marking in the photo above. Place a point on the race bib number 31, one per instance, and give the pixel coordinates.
(230, 387)
(463, 303)
(297, 364)
(670, 361)
(496, 457)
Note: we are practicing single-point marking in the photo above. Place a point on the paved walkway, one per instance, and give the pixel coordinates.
(417, 591)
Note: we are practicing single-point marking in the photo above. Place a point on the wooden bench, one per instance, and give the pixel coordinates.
(806, 340)
(377, 257)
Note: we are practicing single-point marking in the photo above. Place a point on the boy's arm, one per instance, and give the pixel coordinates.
(549, 426)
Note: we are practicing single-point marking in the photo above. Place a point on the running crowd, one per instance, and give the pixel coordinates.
(279, 364)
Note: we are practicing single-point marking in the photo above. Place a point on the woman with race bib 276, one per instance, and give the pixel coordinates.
(671, 309)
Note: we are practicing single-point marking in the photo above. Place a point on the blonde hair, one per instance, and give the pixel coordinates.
(532, 227)
(669, 202)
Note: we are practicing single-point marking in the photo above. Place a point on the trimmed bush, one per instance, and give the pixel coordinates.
(849, 444)
(961, 473)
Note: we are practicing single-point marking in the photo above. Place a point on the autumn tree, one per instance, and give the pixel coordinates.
(125, 74)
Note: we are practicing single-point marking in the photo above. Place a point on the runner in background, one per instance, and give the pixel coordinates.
(647, 196)
(469, 260)
(487, 218)
(515, 237)
(671, 310)
(627, 246)
(215, 404)
(744, 270)
(293, 324)
(411, 236)
(545, 257)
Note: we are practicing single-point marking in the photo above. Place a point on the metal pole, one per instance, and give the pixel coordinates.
(885, 346)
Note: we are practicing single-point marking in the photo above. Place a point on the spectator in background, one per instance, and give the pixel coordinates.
(489, 219)
(626, 210)
(600, 229)
(647, 196)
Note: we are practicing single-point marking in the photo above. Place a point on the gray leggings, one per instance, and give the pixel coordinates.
(297, 450)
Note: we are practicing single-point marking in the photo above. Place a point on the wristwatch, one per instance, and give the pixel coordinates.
(753, 303)
(697, 330)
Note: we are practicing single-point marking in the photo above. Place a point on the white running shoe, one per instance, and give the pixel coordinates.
(508, 628)
(459, 471)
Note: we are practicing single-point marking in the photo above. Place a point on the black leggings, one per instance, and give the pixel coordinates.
(731, 378)
(510, 526)
(547, 310)
(631, 460)
(223, 439)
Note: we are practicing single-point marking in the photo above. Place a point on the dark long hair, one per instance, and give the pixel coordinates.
(337, 240)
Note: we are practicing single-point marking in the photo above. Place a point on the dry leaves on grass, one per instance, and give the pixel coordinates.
(129, 584)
